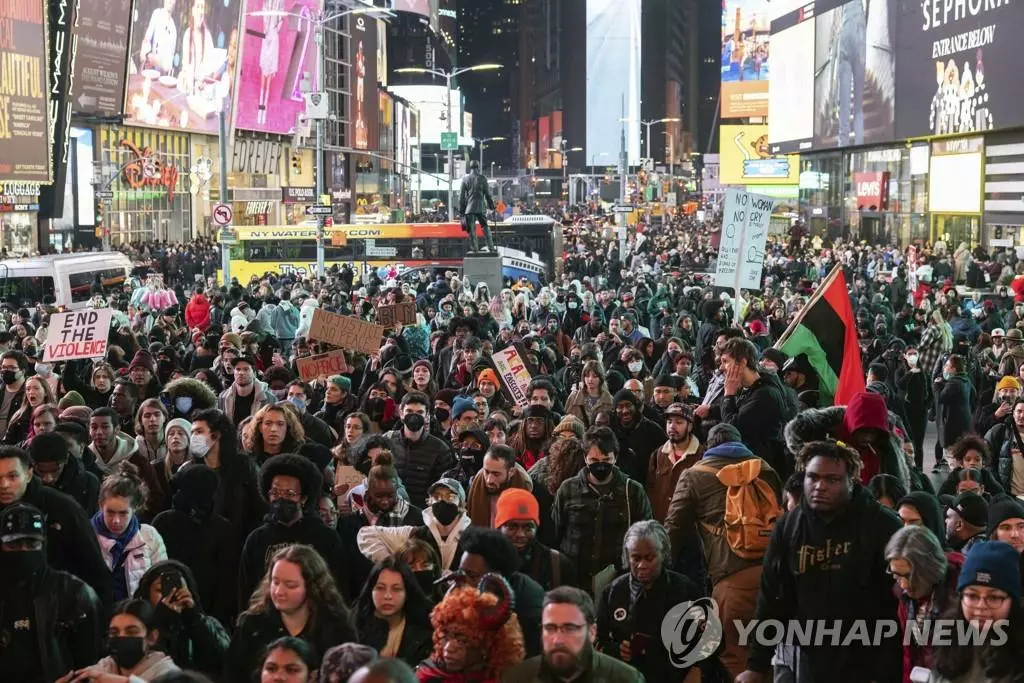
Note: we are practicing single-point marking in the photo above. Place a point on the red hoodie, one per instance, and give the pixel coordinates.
(197, 313)
(866, 410)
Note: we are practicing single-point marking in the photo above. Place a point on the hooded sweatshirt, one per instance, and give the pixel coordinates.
(152, 665)
(285, 321)
(127, 449)
(866, 410)
(927, 506)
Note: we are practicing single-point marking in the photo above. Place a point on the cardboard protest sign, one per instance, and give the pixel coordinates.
(346, 332)
(326, 364)
(77, 334)
(514, 372)
(390, 315)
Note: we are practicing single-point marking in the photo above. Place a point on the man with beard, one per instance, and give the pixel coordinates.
(247, 395)
(532, 435)
(518, 517)
(710, 409)
(644, 436)
(966, 521)
(646, 409)
(569, 629)
(666, 391)
(498, 474)
(420, 457)
(682, 450)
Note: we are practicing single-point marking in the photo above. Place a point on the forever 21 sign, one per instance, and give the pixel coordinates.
(259, 157)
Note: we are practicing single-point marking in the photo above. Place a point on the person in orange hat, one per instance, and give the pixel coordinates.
(489, 386)
(518, 517)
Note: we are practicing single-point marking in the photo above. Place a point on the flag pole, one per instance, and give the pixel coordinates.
(818, 293)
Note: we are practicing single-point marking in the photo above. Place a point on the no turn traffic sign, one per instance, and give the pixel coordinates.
(222, 215)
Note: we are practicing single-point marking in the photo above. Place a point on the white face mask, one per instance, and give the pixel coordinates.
(198, 445)
(43, 369)
(635, 366)
(912, 360)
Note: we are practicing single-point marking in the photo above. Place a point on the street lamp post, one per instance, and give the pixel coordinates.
(482, 142)
(647, 125)
(564, 150)
(448, 76)
(319, 24)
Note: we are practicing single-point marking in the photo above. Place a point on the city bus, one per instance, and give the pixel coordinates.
(529, 246)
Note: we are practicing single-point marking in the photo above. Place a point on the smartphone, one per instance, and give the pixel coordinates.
(638, 644)
(169, 581)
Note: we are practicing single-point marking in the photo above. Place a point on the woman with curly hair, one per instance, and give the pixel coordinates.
(477, 636)
(272, 431)
(565, 459)
(297, 597)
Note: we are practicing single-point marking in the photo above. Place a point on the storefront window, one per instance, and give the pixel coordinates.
(17, 231)
(821, 193)
(879, 196)
(147, 171)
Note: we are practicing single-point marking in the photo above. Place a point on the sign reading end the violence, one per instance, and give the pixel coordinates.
(323, 365)
(77, 334)
(346, 332)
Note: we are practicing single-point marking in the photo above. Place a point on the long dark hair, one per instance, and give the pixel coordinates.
(231, 464)
(997, 662)
(417, 606)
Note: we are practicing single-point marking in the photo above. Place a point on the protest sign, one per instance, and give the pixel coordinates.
(346, 332)
(77, 334)
(324, 365)
(514, 373)
(402, 313)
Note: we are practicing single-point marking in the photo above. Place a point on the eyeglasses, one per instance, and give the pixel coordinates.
(287, 494)
(564, 629)
(991, 600)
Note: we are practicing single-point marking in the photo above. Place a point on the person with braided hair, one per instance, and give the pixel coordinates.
(477, 636)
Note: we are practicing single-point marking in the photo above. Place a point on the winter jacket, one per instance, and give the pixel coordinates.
(358, 565)
(417, 639)
(480, 504)
(71, 544)
(285, 321)
(600, 669)
(547, 566)
(144, 550)
(662, 474)
(209, 548)
(255, 631)
(545, 499)
(954, 417)
(152, 665)
(988, 480)
(263, 397)
(1003, 440)
(932, 516)
(128, 450)
(939, 601)
(68, 621)
(265, 541)
(816, 424)
(72, 381)
(590, 521)
(621, 618)
(699, 499)
(419, 463)
(201, 394)
(818, 568)
(644, 438)
(81, 485)
(760, 413)
(197, 313)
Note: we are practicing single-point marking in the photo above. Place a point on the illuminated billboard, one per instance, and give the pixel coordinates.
(745, 38)
(745, 159)
(613, 78)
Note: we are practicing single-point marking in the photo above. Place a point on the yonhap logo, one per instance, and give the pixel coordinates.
(691, 632)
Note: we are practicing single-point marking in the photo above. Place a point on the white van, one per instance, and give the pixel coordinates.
(67, 279)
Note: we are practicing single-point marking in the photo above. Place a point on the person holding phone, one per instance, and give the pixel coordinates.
(194, 639)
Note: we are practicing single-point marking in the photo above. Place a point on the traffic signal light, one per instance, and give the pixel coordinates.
(297, 163)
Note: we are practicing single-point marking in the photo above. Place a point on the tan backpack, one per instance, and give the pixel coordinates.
(751, 508)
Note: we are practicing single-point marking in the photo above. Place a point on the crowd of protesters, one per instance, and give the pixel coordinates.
(189, 508)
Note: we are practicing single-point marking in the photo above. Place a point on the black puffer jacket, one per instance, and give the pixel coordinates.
(80, 484)
(420, 463)
(760, 414)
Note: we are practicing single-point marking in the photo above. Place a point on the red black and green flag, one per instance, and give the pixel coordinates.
(826, 331)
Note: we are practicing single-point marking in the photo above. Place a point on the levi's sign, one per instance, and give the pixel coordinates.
(77, 334)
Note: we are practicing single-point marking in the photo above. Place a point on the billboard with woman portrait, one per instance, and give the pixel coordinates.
(181, 69)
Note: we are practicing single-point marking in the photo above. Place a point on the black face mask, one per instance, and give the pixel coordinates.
(9, 376)
(127, 651)
(375, 406)
(600, 470)
(414, 422)
(474, 454)
(284, 511)
(425, 579)
(20, 566)
(445, 512)
(442, 415)
(198, 511)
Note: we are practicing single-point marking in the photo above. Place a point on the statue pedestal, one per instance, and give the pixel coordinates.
(483, 267)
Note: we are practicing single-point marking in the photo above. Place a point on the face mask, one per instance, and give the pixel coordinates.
(198, 445)
(375, 406)
(284, 511)
(43, 369)
(414, 422)
(445, 512)
(127, 651)
(300, 405)
(635, 366)
(183, 404)
(912, 361)
(473, 454)
(22, 565)
(9, 376)
(441, 415)
(600, 470)
(573, 305)
(279, 394)
(946, 375)
(425, 579)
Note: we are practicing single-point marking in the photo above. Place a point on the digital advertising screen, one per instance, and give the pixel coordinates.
(98, 86)
(854, 73)
(745, 37)
(24, 98)
(278, 53)
(364, 109)
(791, 97)
(613, 78)
(745, 158)
(181, 68)
(958, 66)
(954, 183)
